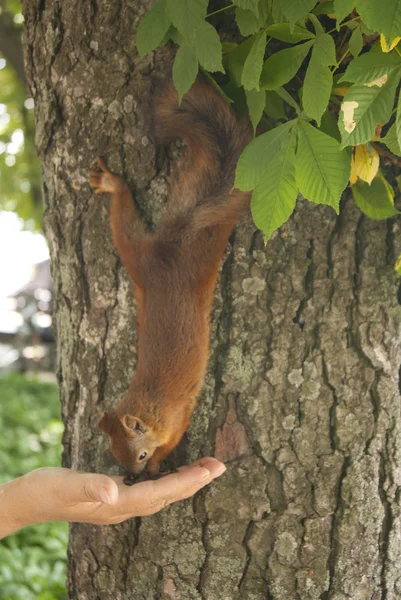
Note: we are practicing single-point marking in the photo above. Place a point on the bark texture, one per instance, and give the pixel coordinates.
(302, 394)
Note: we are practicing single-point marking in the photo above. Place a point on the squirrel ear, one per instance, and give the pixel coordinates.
(106, 422)
(132, 424)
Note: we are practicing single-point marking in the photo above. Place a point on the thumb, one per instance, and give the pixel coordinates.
(90, 487)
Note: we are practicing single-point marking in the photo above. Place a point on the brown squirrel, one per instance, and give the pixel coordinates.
(174, 270)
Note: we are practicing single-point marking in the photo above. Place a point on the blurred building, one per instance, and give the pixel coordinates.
(26, 338)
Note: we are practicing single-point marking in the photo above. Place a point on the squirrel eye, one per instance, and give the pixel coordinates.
(143, 455)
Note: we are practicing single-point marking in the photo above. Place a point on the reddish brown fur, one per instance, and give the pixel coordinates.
(174, 270)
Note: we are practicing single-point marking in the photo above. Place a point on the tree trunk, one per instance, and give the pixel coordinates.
(302, 394)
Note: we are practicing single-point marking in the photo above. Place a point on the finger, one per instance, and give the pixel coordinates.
(174, 487)
(90, 487)
(213, 465)
(151, 496)
(216, 467)
(182, 485)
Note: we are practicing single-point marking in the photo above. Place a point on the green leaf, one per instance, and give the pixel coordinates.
(228, 47)
(187, 15)
(274, 107)
(273, 200)
(259, 152)
(391, 141)
(282, 66)
(317, 90)
(277, 13)
(282, 92)
(375, 200)
(363, 108)
(208, 47)
(352, 25)
(356, 42)
(365, 29)
(342, 9)
(214, 83)
(325, 50)
(248, 23)
(237, 95)
(282, 31)
(252, 5)
(152, 28)
(254, 62)
(175, 36)
(316, 24)
(384, 18)
(234, 62)
(322, 168)
(185, 69)
(371, 66)
(324, 8)
(329, 125)
(295, 10)
(256, 101)
(319, 78)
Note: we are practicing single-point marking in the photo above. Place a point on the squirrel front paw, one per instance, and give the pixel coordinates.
(104, 180)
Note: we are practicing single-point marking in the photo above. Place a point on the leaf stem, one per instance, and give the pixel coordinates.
(219, 11)
(343, 24)
(341, 60)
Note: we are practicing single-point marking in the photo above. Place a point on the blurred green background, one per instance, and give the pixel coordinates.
(20, 188)
(33, 560)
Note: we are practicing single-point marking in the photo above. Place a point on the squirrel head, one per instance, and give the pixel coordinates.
(132, 443)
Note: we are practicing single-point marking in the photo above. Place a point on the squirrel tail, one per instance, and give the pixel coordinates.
(215, 140)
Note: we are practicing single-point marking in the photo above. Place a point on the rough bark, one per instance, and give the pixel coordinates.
(302, 394)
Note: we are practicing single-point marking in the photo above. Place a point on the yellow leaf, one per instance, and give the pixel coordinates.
(384, 44)
(397, 265)
(364, 165)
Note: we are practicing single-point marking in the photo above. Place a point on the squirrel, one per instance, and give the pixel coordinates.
(174, 270)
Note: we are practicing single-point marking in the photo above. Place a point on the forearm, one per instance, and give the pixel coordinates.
(13, 510)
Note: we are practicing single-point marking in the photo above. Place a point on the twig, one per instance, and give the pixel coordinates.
(396, 160)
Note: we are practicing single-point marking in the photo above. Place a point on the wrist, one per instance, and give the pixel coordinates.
(14, 510)
(9, 514)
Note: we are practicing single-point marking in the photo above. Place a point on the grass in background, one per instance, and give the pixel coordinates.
(33, 560)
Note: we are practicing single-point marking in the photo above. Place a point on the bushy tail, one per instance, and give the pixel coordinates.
(215, 140)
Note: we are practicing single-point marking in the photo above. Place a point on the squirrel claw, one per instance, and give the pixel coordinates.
(132, 478)
(103, 180)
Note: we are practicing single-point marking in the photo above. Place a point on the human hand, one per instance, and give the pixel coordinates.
(57, 494)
